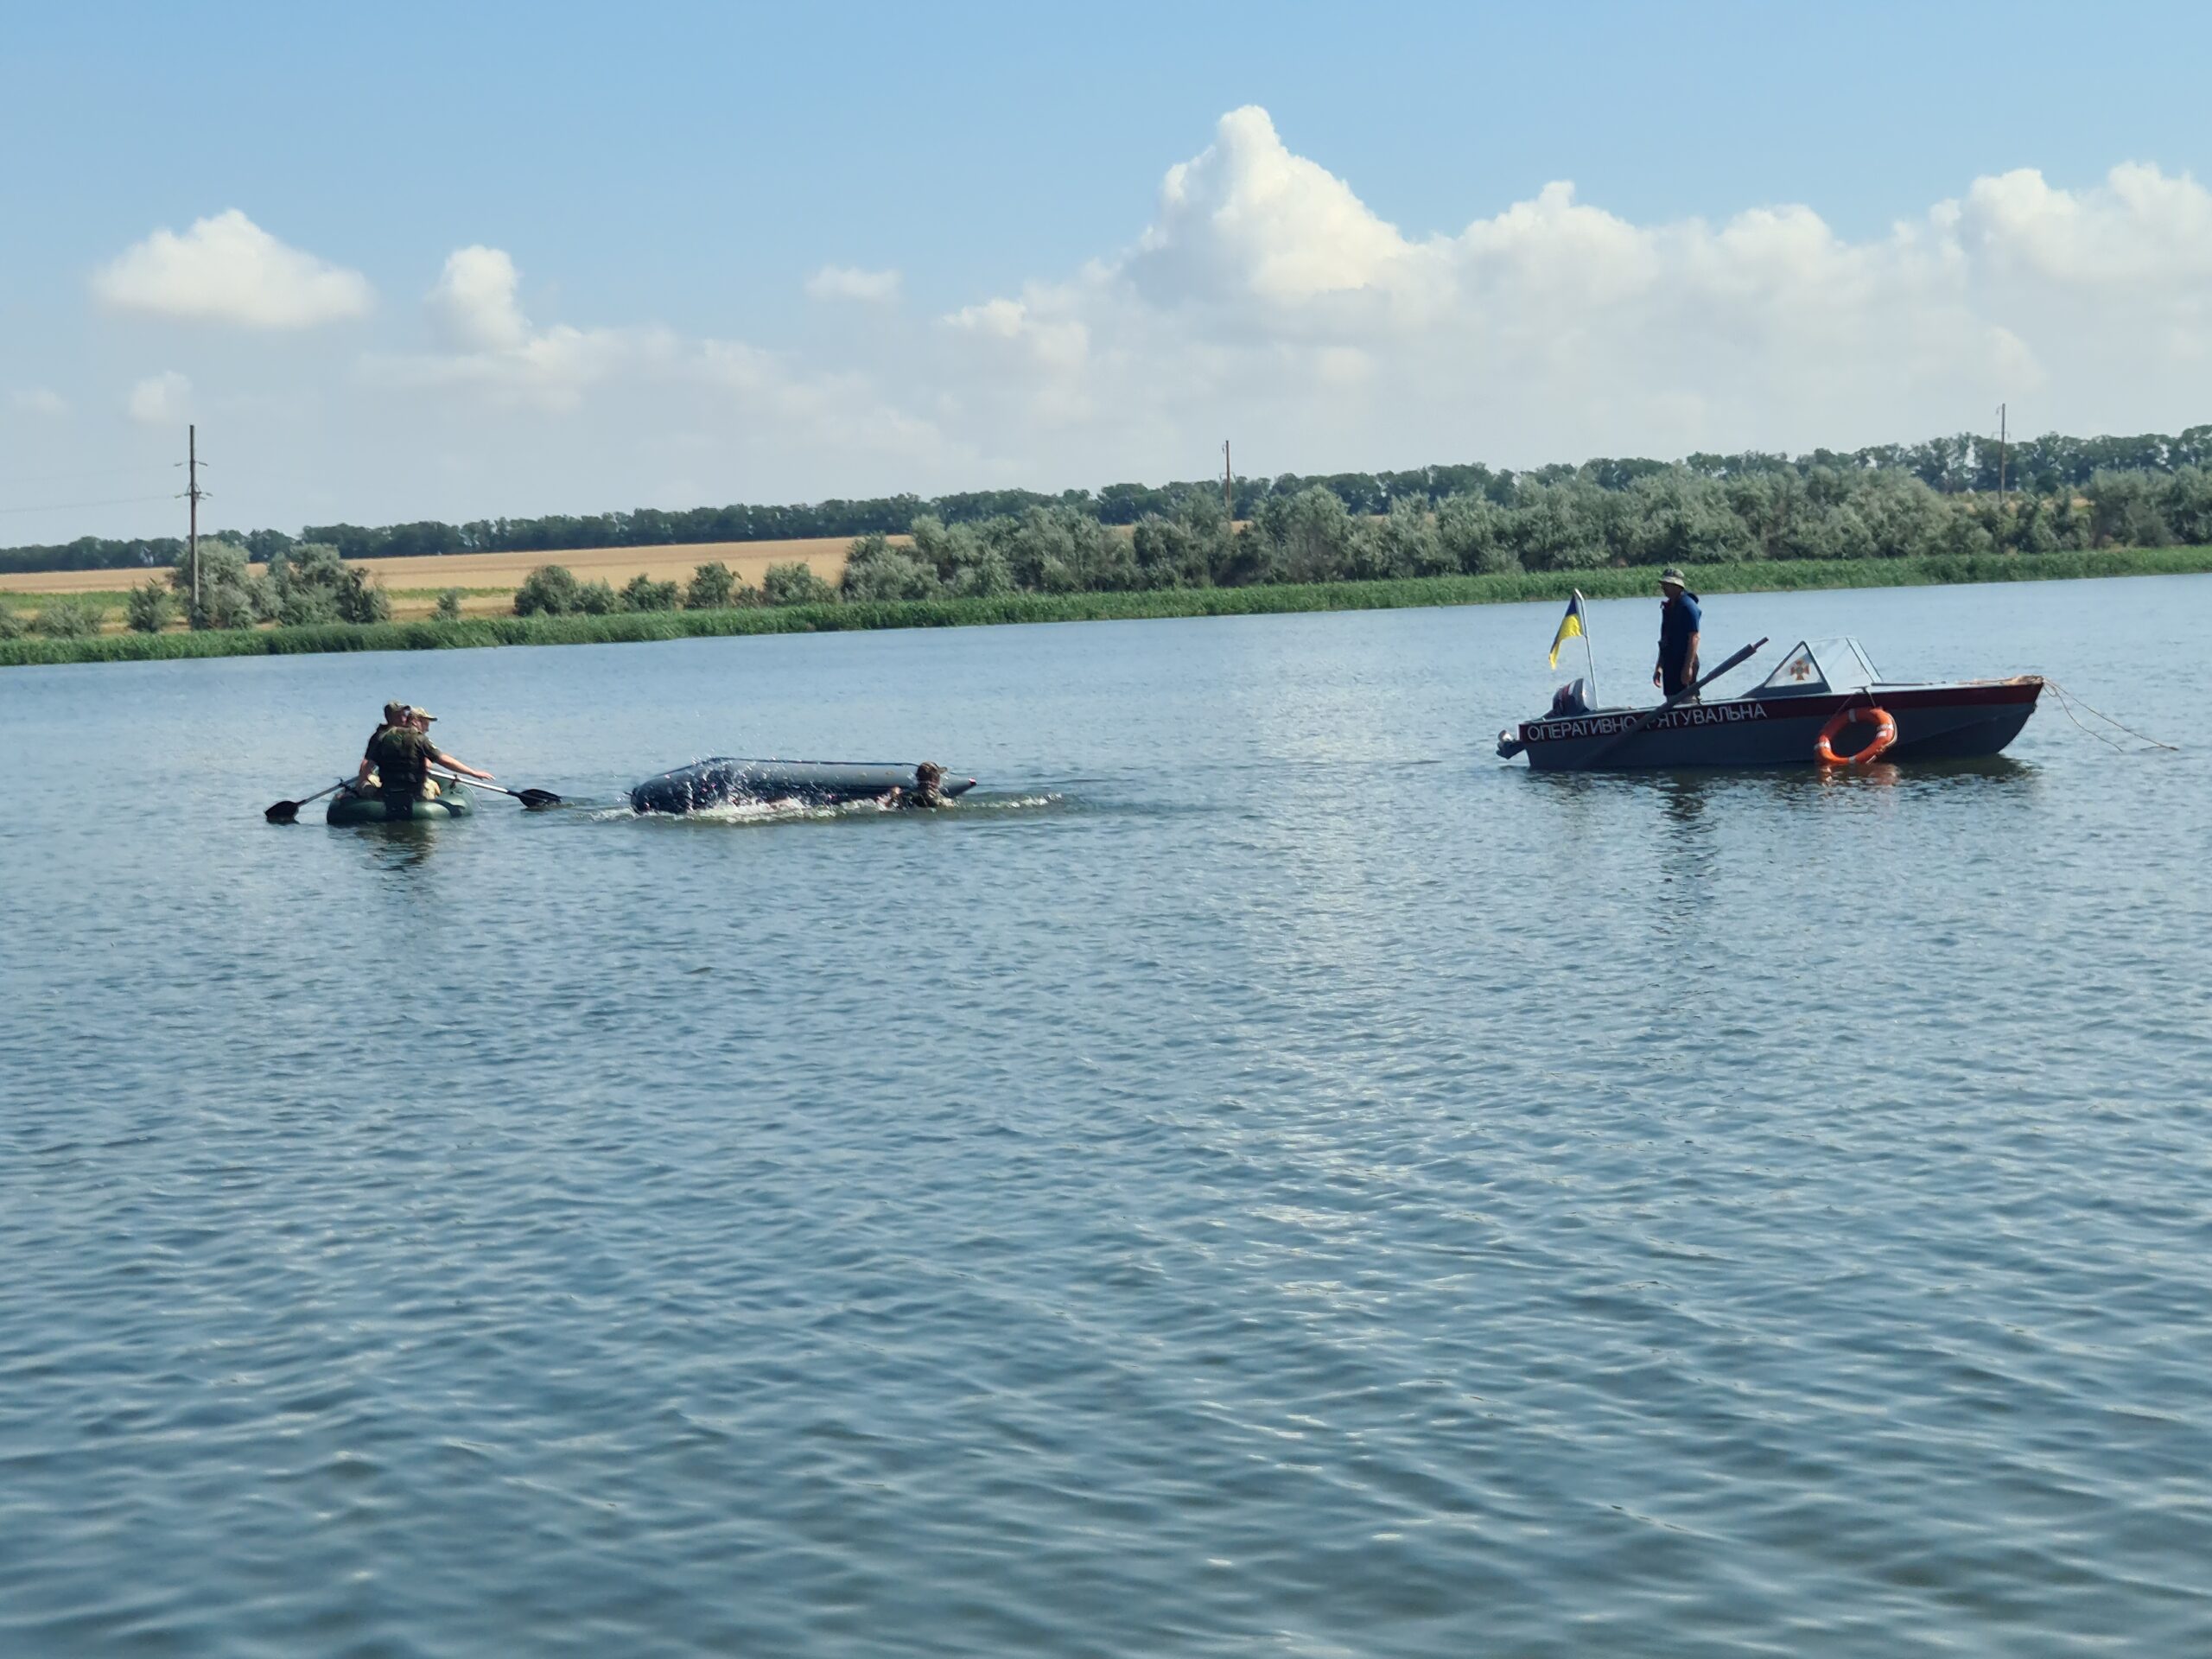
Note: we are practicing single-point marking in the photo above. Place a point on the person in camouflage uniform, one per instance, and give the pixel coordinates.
(395, 714)
(928, 789)
(403, 754)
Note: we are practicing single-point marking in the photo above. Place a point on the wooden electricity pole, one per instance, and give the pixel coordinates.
(192, 494)
(2001, 435)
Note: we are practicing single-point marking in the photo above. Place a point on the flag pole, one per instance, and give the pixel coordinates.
(1588, 655)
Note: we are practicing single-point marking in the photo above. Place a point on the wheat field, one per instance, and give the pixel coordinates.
(488, 580)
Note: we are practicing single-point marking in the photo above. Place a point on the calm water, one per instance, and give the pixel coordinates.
(1261, 1177)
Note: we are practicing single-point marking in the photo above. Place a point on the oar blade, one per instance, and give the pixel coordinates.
(534, 800)
(284, 812)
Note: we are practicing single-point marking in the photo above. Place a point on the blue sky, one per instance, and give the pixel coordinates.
(662, 182)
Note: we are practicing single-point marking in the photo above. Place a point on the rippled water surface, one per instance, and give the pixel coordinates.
(1260, 1177)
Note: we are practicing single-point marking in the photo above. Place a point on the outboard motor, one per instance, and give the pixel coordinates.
(1570, 699)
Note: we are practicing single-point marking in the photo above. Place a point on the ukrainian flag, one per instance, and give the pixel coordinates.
(1570, 627)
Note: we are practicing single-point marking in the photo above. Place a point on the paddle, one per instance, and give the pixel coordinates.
(532, 799)
(1650, 715)
(289, 812)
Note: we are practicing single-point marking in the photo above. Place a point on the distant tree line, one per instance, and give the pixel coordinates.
(1671, 515)
(2043, 469)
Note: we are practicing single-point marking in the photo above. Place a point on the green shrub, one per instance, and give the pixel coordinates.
(642, 593)
(148, 609)
(227, 590)
(1471, 530)
(1402, 543)
(1309, 534)
(2125, 509)
(875, 570)
(306, 606)
(597, 598)
(550, 590)
(64, 616)
(795, 584)
(12, 626)
(448, 606)
(308, 585)
(712, 587)
(361, 599)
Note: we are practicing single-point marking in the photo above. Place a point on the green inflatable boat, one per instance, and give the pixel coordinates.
(346, 807)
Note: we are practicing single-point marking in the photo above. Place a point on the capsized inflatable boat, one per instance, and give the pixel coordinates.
(722, 781)
(346, 807)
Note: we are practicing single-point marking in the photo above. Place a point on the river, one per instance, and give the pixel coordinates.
(1260, 1177)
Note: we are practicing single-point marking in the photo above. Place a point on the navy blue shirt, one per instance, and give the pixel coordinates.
(1678, 621)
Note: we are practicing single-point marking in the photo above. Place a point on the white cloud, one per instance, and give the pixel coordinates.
(1245, 216)
(39, 400)
(640, 376)
(1267, 299)
(846, 283)
(474, 302)
(227, 269)
(1266, 302)
(2139, 228)
(160, 399)
(488, 344)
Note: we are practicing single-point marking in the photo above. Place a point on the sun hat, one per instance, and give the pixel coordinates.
(1672, 574)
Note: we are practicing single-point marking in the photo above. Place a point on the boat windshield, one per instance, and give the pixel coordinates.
(1819, 666)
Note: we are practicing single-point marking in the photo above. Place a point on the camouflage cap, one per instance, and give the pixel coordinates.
(394, 713)
(421, 713)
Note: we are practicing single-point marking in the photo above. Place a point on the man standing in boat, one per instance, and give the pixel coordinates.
(1680, 620)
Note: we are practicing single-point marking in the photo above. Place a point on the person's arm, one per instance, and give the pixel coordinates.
(437, 758)
(1690, 665)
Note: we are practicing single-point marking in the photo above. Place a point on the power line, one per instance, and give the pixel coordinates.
(95, 471)
(76, 506)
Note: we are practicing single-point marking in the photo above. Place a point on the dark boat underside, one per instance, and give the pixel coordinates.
(722, 782)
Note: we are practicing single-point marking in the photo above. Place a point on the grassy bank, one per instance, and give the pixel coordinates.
(1612, 583)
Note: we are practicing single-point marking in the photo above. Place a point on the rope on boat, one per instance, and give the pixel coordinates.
(2067, 700)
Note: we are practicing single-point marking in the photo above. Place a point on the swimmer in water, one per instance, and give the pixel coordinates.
(927, 791)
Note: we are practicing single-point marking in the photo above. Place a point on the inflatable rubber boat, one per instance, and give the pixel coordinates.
(346, 807)
(723, 782)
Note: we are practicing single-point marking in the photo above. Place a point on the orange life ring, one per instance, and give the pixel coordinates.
(1885, 733)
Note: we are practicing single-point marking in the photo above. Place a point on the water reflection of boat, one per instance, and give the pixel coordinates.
(1815, 692)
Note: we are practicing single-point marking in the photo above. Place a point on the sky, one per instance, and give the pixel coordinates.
(412, 261)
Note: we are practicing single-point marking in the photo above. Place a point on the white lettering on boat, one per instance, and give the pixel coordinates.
(1694, 714)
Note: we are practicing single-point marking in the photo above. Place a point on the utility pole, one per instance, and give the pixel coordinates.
(192, 494)
(1228, 484)
(2001, 435)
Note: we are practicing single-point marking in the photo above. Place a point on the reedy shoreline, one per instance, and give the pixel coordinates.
(1611, 582)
